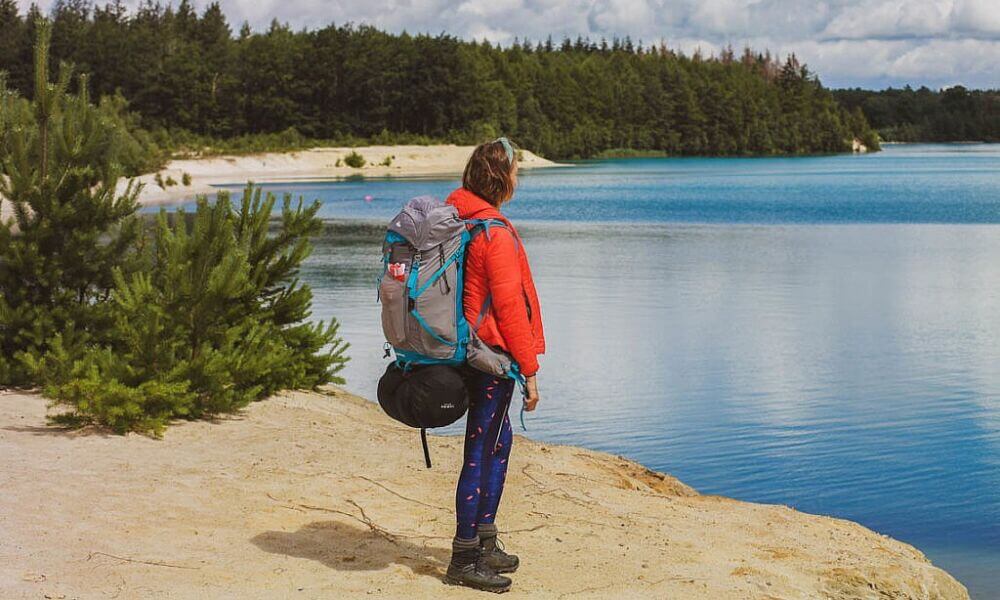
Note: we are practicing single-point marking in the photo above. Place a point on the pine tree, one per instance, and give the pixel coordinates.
(216, 319)
(71, 227)
(202, 314)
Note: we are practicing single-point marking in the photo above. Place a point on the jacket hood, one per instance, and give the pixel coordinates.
(471, 206)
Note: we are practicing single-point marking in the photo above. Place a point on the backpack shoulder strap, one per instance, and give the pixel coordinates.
(483, 226)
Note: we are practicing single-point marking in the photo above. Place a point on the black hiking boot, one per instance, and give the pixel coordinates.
(469, 568)
(493, 552)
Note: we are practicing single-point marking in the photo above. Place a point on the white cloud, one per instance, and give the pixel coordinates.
(624, 15)
(849, 42)
(877, 62)
(889, 19)
(976, 16)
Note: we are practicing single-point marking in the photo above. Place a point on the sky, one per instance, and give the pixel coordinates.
(865, 43)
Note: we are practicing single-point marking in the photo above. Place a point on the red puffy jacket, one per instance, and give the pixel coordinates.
(497, 266)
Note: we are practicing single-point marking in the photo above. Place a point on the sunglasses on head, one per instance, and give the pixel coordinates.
(507, 147)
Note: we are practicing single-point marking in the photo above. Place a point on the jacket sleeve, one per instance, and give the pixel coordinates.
(509, 307)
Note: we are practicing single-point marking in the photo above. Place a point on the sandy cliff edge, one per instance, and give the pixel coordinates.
(322, 496)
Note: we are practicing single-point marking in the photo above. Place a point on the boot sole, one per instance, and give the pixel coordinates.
(505, 571)
(451, 581)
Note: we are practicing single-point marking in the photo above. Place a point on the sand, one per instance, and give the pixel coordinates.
(322, 496)
(312, 165)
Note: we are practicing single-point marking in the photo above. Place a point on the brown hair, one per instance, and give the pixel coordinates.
(489, 174)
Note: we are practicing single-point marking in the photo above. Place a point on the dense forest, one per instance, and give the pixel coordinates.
(188, 73)
(954, 114)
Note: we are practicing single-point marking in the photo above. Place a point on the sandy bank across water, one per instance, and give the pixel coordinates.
(322, 496)
(313, 164)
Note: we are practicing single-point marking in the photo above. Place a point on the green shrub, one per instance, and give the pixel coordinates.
(387, 161)
(171, 181)
(186, 179)
(130, 328)
(216, 320)
(94, 398)
(354, 160)
(158, 180)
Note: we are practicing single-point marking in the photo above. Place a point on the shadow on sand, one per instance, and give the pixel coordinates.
(61, 430)
(347, 547)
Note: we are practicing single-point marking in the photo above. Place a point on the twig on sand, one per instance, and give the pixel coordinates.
(526, 529)
(577, 476)
(596, 588)
(289, 507)
(557, 490)
(578, 520)
(524, 471)
(366, 520)
(375, 527)
(398, 495)
(154, 563)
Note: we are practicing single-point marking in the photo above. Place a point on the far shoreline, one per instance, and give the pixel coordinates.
(207, 175)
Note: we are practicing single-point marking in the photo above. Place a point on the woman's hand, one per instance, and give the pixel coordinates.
(531, 387)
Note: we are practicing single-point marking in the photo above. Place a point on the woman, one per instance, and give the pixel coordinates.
(497, 277)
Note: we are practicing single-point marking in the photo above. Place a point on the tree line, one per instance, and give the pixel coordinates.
(954, 114)
(188, 72)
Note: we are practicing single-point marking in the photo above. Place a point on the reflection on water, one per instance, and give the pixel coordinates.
(850, 369)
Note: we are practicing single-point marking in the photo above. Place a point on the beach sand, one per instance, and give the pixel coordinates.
(309, 495)
(314, 164)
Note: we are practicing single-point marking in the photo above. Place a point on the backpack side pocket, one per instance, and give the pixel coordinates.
(483, 357)
(394, 296)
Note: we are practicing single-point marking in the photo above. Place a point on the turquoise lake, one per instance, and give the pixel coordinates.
(821, 332)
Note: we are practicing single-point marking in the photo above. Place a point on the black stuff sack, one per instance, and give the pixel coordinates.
(423, 397)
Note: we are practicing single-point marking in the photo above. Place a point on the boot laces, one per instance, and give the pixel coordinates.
(498, 547)
(483, 567)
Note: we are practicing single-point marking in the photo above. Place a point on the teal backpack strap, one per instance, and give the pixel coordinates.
(483, 311)
(483, 225)
(515, 374)
(378, 280)
(457, 256)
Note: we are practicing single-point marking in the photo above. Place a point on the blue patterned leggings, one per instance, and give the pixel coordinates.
(487, 447)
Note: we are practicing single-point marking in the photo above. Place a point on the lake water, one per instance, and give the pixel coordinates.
(822, 332)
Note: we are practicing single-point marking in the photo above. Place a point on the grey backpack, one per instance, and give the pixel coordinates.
(420, 288)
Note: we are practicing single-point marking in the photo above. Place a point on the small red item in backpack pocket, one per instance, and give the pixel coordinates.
(397, 271)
